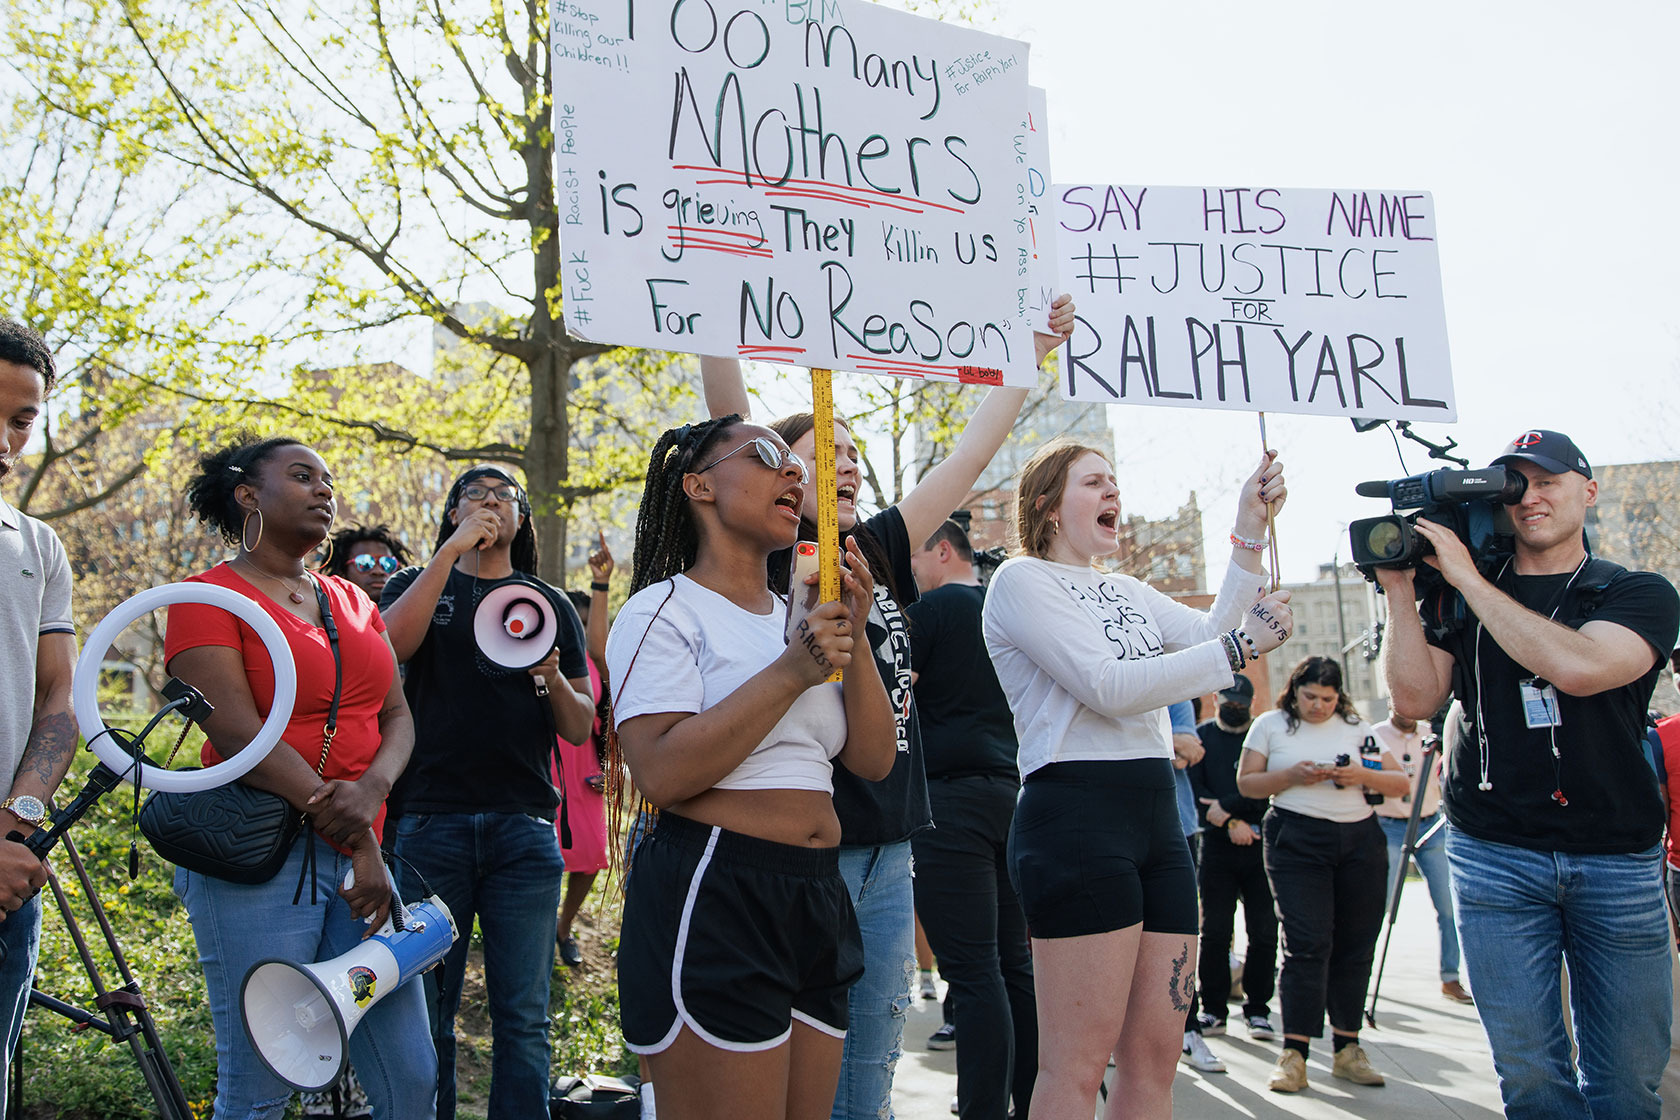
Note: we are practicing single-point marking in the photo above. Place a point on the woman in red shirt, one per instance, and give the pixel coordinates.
(273, 500)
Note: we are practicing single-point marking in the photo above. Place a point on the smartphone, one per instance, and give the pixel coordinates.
(802, 597)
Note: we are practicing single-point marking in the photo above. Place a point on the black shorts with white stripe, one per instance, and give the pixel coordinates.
(735, 938)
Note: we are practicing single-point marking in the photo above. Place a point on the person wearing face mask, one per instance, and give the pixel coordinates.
(1089, 662)
(1231, 869)
(476, 803)
(1326, 859)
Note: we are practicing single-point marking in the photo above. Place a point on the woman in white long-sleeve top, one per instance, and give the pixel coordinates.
(1089, 662)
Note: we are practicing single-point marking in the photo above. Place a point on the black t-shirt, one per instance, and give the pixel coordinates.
(1614, 806)
(1215, 776)
(482, 735)
(895, 808)
(966, 724)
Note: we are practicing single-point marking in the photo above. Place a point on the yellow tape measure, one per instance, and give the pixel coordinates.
(824, 479)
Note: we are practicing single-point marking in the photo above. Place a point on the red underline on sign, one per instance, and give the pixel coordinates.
(750, 350)
(884, 198)
(707, 231)
(723, 247)
(878, 358)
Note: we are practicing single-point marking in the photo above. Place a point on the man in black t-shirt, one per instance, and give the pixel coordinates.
(477, 806)
(1231, 868)
(1555, 813)
(973, 920)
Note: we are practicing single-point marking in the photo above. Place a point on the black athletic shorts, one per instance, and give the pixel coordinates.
(734, 937)
(1098, 846)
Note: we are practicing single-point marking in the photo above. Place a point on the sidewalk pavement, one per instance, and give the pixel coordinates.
(1432, 1052)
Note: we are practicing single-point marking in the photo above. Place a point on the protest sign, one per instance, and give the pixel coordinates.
(827, 183)
(1255, 298)
(1041, 223)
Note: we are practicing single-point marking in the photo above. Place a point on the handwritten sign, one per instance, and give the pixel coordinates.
(1255, 298)
(1041, 222)
(825, 183)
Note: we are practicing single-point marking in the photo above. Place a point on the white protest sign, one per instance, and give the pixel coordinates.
(1041, 223)
(1265, 299)
(826, 183)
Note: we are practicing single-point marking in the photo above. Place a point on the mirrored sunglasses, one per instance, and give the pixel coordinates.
(769, 454)
(367, 563)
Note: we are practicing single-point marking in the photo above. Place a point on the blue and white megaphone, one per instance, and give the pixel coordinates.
(299, 1017)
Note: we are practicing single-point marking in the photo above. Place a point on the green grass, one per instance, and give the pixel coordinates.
(84, 1075)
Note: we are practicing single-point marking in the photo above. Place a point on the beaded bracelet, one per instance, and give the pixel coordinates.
(1245, 542)
(1233, 652)
(1253, 650)
(600, 586)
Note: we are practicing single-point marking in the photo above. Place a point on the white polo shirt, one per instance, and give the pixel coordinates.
(34, 600)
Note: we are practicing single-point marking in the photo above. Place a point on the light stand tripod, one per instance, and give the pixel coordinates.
(1412, 842)
(121, 1013)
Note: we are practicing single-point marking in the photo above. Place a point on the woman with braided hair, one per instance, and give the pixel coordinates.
(878, 819)
(739, 940)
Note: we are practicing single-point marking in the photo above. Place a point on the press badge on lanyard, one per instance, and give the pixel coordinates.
(1540, 704)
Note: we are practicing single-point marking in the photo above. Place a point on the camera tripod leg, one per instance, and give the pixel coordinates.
(126, 1016)
(1431, 751)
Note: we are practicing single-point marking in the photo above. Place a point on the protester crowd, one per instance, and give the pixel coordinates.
(1019, 765)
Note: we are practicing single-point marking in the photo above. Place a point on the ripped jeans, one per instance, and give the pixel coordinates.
(879, 882)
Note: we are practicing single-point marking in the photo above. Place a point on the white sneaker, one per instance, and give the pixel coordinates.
(1196, 1054)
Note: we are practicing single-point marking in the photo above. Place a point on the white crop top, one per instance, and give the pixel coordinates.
(699, 649)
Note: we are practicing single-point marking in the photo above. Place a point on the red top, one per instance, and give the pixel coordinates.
(368, 668)
(1669, 731)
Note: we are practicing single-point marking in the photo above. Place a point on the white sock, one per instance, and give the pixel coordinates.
(646, 1093)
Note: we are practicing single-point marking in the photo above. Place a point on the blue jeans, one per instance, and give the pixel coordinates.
(237, 925)
(1431, 859)
(505, 870)
(20, 933)
(879, 882)
(1522, 915)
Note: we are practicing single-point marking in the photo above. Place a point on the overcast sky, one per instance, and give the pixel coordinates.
(1547, 133)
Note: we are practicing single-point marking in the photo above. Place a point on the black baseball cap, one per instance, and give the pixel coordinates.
(1239, 691)
(1550, 451)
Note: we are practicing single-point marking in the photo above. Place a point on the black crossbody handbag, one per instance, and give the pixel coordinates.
(234, 831)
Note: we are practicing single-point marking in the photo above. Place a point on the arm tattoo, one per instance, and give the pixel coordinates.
(1182, 986)
(52, 741)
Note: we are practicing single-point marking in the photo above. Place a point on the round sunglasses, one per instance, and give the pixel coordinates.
(367, 563)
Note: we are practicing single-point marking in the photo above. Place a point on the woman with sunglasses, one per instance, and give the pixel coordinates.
(739, 940)
(367, 556)
(273, 500)
(878, 819)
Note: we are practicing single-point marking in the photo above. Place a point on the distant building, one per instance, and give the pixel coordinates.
(1326, 619)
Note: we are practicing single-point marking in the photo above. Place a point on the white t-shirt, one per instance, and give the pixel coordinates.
(699, 647)
(1269, 735)
(1090, 661)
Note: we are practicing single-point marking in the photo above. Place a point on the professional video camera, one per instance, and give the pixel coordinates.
(1473, 504)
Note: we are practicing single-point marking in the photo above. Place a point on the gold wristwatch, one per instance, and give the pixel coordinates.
(26, 808)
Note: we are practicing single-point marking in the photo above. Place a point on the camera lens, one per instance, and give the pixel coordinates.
(1384, 540)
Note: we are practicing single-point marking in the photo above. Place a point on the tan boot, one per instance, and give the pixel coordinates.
(1290, 1073)
(1351, 1064)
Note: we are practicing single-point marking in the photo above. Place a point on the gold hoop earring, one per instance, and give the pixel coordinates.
(244, 529)
(326, 561)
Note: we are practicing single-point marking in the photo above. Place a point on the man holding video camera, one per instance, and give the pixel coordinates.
(1556, 815)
